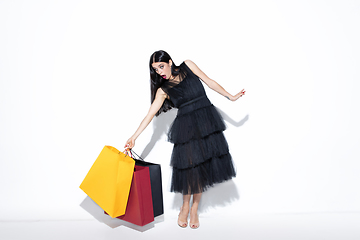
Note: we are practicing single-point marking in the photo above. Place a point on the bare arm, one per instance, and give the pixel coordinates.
(211, 83)
(154, 108)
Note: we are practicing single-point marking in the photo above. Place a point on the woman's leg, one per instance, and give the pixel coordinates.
(194, 217)
(184, 211)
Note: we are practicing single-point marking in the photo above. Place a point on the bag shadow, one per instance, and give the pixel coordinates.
(98, 213)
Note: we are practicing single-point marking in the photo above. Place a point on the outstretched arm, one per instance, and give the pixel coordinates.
(154, 108)
(211, 83)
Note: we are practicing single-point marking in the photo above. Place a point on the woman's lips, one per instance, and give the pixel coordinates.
(163, 76)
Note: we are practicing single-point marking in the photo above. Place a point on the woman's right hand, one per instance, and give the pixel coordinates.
(130, 143)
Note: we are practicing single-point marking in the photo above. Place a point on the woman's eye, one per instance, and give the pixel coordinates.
(161, 67)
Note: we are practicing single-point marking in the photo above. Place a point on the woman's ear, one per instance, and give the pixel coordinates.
(170, 62)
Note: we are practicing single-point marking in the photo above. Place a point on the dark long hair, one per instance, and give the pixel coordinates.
(156, 80)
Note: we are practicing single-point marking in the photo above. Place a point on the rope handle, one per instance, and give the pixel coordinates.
(128, 152)
(134, 153)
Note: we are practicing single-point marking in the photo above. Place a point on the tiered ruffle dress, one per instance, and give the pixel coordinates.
(200, 157)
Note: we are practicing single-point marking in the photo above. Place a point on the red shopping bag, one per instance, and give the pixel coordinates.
(139, 209)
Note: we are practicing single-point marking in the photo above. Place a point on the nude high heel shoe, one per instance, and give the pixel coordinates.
(195, 225)
(182, 223)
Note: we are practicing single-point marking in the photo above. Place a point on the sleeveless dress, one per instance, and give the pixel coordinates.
(200, 156)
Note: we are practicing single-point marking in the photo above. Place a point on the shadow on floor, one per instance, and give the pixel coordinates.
(98, 213)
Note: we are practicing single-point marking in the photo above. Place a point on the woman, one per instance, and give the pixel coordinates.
(200, 156)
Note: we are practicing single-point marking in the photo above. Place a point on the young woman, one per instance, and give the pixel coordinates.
(200, 157)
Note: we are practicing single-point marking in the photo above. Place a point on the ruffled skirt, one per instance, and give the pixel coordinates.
(200, 157)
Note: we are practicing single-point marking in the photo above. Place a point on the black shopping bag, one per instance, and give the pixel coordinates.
(155, 181)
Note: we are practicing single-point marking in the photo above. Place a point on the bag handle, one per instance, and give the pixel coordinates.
(128, 152)
(134, 153)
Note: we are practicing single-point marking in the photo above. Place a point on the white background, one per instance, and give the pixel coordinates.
(74, 77)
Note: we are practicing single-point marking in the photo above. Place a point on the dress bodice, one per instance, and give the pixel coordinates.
(184, 88)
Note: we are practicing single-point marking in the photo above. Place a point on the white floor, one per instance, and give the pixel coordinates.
(327, 226)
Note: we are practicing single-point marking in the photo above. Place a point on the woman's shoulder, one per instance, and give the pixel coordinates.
(187, 65)
(188, 61)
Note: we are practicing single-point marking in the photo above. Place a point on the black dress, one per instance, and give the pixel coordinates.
(201, 155)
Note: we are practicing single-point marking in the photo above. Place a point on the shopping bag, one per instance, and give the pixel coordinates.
(139, 209)
(156, 183)
(109, 179)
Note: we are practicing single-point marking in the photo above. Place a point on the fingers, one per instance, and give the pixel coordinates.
(129, 144)
(242, 92)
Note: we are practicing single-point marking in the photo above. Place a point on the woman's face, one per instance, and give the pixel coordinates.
(163, 69)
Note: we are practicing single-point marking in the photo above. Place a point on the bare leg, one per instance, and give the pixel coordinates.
(194, 217)
(184, 211)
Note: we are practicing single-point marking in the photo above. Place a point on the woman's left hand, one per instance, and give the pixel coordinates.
(237, 96)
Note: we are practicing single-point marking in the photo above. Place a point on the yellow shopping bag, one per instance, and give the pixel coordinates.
(109, 179)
